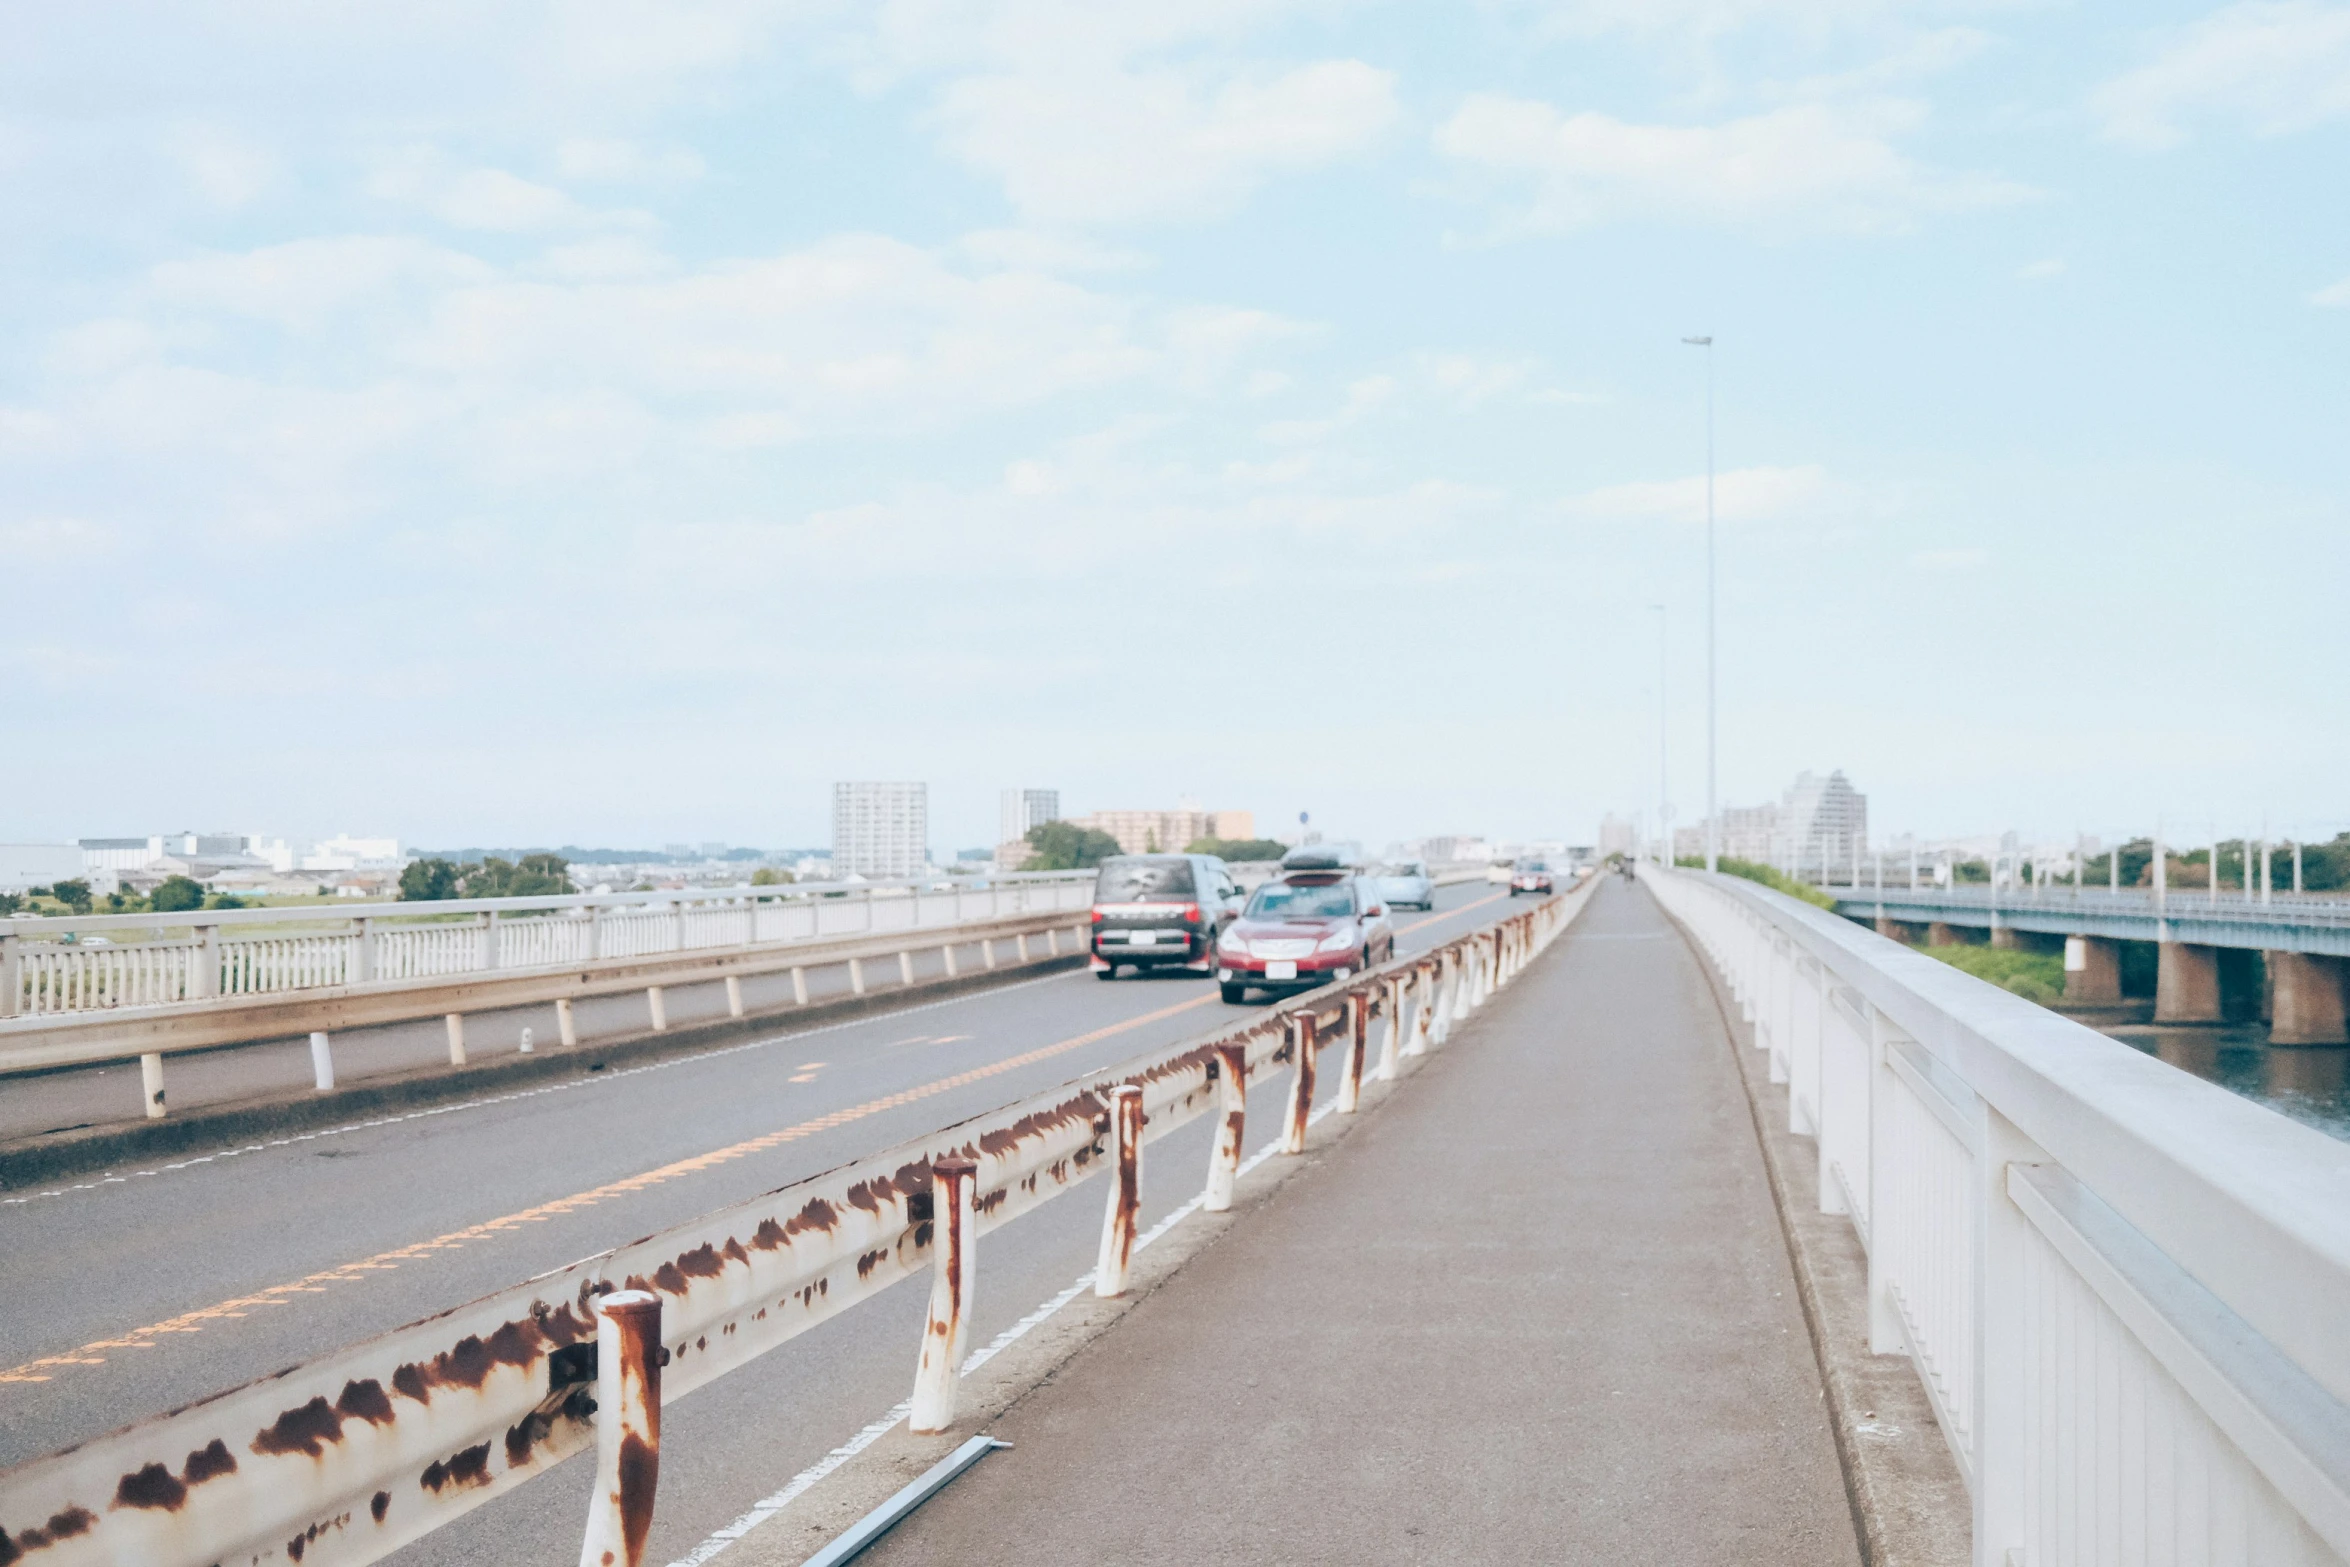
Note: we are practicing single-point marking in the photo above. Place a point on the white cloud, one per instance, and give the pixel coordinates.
(1029, 250)
(308, 280)
(225, 168)
(488, 200)
(591, 158)
(1156, 145)
(53, 539)
(2036, 271)
(1804, 167)
(2274, 66)
(2338, 295)
(1759, 494)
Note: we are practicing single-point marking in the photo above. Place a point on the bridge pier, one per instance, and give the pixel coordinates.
(2092, 971)
(2186, 984)
(2308, 996)
(2003, 937)
(1939, 934)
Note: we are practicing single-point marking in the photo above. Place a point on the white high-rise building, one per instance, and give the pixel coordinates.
(880, 829)
(1025, 810)
(1825, 823)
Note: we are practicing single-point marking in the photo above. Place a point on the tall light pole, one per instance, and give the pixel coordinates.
(1664, 809)
(1712, 809)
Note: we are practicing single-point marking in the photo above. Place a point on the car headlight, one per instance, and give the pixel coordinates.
(1233, 941)
(1337, 941)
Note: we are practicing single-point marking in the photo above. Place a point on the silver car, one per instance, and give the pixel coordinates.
(1405, 884)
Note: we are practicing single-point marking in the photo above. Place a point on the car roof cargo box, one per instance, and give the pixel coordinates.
(1318, 857)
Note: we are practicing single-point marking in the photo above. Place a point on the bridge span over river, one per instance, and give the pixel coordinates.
(1665, 1221)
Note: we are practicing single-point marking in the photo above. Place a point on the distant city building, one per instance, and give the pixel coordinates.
(1453, 850)
(1168, 832)
(713, 851)
(1022, 811)
(880, 829)
(1819, 824)
(1617, 835)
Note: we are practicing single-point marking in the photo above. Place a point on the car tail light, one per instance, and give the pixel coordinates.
(1190, 914)
(1098, 914)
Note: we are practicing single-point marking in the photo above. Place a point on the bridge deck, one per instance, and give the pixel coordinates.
(1537, 1307)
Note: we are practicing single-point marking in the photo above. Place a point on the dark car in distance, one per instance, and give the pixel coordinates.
(1160, 911)
(1306, 929)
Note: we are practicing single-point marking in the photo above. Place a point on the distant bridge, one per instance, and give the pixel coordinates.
(2304, 939)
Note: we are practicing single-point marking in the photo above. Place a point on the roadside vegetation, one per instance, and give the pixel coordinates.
(1769, 876)
(2035, 976)
(433, 879)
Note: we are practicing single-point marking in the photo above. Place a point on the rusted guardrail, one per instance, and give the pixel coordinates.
(347, 1458)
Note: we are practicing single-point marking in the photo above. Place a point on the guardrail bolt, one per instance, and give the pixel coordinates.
(628, 1429)
(947, 1331)
(1301, 1083)
(1232, 1105)
(1116, 1260)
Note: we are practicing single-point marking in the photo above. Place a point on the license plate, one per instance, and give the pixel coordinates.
(1280, 968)
(1143, 938)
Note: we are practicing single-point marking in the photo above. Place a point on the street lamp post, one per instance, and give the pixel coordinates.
(1664, 809)
(1712, 809)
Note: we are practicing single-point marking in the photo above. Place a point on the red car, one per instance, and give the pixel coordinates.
(1307, 929)
(1532, 876)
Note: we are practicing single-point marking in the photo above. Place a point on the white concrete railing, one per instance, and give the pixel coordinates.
(372, 1447)
(2126, 1290)
(53, 967)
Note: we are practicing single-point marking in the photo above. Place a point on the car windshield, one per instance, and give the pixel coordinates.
(1411, 868)
(1292, 901)
(1143, 881)
(1534, 865)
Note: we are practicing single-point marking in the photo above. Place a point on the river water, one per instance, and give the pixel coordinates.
(2310, 1083)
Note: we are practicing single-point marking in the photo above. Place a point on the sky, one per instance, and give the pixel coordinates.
(614, 422)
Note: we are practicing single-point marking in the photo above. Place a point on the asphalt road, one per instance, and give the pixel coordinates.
(138, 1292)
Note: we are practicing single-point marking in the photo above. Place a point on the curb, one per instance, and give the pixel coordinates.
(27, 1161)
(1910, 1505)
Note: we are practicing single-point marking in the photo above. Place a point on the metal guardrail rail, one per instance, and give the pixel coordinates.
(347, 1458)
(2126, 1290)
(79, 964)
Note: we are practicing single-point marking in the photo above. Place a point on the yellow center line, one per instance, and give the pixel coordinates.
(352, 1272)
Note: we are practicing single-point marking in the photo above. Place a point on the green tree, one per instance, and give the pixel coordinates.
(771, 876)
(9, 903)
(1237, 849)
(177, 895)
(75, 895)
(427, 881)
(1065, 846)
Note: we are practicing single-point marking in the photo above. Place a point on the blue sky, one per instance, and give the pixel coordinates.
(614, 422)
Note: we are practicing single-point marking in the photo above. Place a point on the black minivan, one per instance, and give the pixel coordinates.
(1160, 911)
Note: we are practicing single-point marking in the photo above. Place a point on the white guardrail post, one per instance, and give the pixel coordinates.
(628, 1429)
(366, 1450)
(2125, 1290)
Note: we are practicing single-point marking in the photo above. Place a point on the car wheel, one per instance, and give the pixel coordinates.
(1233, 994)
(1106, 973)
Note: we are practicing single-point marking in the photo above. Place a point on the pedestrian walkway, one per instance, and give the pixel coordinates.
(1537, 1308)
